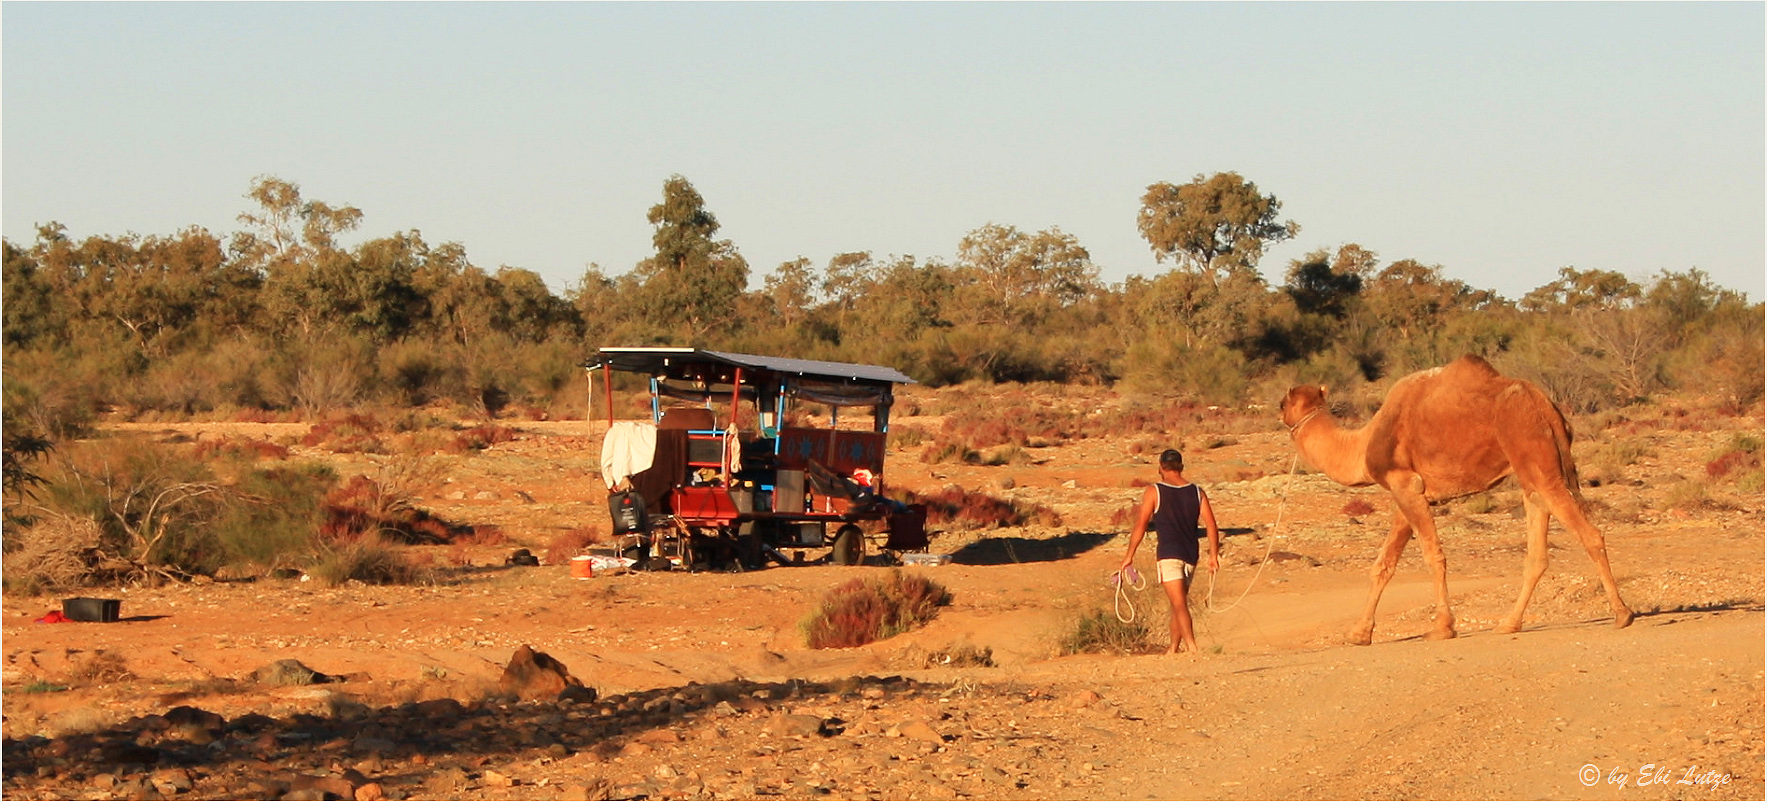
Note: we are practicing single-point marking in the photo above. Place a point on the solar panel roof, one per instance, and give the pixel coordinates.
(661, 360)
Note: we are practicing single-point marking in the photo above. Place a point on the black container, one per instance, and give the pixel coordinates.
(103, 611)
(627, 510)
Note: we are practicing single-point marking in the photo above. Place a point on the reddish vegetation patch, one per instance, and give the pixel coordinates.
(863, 610)
(481, 437)
(570, 543)
(1356, 506)
(968, 509)
(240, 447)
(360, 507)
(352, 433)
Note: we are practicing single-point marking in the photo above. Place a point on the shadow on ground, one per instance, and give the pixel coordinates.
(1012, 550)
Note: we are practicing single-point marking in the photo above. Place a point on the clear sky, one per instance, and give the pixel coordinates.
(1502, 141)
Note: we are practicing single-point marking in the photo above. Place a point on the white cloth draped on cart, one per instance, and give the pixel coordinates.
(628, 449)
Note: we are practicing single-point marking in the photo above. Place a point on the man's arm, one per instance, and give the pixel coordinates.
(1207, 514)
(1149, 500)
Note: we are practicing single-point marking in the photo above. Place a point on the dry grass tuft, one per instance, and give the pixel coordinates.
(49, 555)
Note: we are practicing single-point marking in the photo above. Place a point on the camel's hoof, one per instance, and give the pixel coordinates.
(1623, 619)
(1507, 628)
(1440, 634)
(1361, 637)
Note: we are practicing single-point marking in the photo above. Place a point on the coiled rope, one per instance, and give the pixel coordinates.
(1135, 583)
(1269, 546)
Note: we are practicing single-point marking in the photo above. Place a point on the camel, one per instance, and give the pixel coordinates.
(1441, 434)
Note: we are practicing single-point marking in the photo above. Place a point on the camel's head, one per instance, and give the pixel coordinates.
(1301, 402)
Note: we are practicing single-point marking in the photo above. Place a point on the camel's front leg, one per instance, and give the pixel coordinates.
(1535, 566)
(1384, 566)
(1408, 496)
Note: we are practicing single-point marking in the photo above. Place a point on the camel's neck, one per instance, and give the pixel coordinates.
(1341, 454)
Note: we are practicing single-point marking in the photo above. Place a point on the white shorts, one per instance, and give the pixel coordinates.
(1174, 570)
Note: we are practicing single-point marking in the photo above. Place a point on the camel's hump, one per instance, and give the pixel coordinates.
(1469, 367)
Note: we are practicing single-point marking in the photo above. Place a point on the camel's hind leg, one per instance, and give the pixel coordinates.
(1538, 444)
(1563, 505)
(1384, 566)
(1535, 566)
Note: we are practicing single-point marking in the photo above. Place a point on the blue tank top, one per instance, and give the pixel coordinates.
(1175, 522)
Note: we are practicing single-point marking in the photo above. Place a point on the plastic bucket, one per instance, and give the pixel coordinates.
(583, 567)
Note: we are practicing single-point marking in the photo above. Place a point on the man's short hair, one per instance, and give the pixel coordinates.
(1171, 460)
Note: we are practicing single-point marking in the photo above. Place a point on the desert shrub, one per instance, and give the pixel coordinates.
(48, 553)
(1201, 371)
(1688, 494)
(239, 448)
(327, 375)
(957, 655)
(416, 373)
(947, 451)
(272, 517)
(1146, 417)
(1012, 420)
(974, 510)
(908, 436)
(478, 535)
(1743, 451)
(570, 543)
(130, 509)
(351, 433)
(1101, 631)
(40, 400)
(153, 504)
(1003, 455)
(1607, 465)
(1357, 506)
(1740, 461)
(481, 437)
(361, 508)
(369, 560)
(1479, 504)
(867, 609)
(417, 420)
(101, 667)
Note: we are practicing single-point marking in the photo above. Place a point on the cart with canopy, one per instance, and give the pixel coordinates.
(729, 471)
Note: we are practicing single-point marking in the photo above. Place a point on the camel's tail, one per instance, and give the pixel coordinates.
(1534, 410)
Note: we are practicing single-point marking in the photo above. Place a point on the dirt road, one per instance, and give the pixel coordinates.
(706, 689)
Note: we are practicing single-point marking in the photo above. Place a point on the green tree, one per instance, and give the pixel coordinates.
(598, 301)
(1020, 279)
(790, 291)
(308, 281)
(693, 282)
(1582, 289)
(847, 278)
(1322, 285)
(529, 310)
(31, 311)
(1216, 226)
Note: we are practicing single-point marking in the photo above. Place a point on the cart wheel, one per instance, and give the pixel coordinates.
(849, 546)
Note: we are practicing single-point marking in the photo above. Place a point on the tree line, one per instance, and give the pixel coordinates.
(279, 318)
